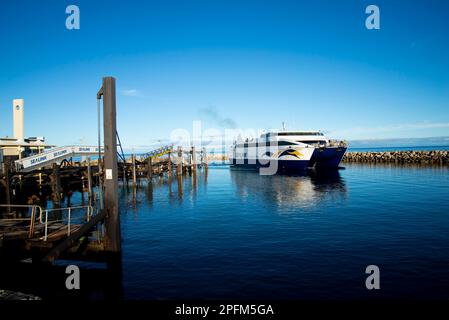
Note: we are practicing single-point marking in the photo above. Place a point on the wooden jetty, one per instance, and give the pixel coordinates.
(91, 231)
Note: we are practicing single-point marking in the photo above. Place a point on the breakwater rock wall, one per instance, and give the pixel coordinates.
(399, 157)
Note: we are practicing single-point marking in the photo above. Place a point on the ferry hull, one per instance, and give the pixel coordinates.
(329, 157)
(282, 165)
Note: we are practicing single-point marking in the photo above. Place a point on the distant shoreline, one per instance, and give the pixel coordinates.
(395, 148)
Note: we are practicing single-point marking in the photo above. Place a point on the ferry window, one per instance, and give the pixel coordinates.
(312, 142)
(285, 143)
(300, 134)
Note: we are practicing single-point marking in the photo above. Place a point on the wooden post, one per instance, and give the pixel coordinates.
(180, 186)
(169, 168)
(56, 185)
(193, 159)
(125, 173)
(149, 168)
(205, 158)
(89, 182)
(179, 164)
(112, 222)
(133, 158)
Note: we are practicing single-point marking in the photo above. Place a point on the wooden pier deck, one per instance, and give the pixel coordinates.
(31, 230)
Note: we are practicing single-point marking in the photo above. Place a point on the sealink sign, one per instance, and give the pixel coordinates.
(38, 160)
(60, 153)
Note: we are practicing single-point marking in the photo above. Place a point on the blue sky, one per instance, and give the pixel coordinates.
(250, 64)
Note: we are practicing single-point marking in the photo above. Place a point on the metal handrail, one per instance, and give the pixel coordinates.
(69, 218)
(32, 218)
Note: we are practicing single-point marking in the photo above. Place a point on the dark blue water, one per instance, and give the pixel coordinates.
(235, 234)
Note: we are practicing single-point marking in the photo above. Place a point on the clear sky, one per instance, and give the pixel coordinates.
(248, 64)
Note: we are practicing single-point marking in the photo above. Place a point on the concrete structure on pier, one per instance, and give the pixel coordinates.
(17, 146)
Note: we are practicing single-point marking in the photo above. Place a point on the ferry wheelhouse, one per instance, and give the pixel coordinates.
(292, 150)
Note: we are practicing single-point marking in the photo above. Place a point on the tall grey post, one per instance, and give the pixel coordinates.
(112, 224)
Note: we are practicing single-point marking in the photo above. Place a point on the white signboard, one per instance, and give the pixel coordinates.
(108, 174)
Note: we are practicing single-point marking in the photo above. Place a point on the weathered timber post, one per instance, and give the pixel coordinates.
(133, 158)
(180, 186)
(169, 168)
(150, 168)
(125, 174)
(56, 186)
(205, 158)
(89, 182)
(112, 222)
(179, 164)
(194, 160)
(189, 165)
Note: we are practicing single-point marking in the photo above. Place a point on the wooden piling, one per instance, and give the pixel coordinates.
(133, 157)
(180, 186)
(149, 168)
(56, 186)
(193, 160)
(89, 182)
(180, 162)
(205, 158)
(112, 223)
(169, 164)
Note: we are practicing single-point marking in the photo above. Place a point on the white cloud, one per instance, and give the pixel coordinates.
(131, 93)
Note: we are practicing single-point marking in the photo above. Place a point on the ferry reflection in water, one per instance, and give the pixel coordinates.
(291, 193)
(234, 234)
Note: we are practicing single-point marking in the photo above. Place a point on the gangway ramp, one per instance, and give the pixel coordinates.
(159, 152)
(53, 155)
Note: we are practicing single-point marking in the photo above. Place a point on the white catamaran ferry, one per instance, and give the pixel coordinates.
(291, 150)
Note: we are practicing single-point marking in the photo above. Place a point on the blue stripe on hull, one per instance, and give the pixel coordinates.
(283, 165)
(327, 157)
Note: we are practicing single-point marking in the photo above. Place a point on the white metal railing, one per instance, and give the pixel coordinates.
(44, 217)
(31, 218)
(47, 216)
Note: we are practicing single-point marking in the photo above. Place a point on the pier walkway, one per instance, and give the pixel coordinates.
(52, 156)
(29, 230)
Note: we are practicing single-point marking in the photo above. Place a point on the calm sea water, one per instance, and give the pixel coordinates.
(235, 234)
